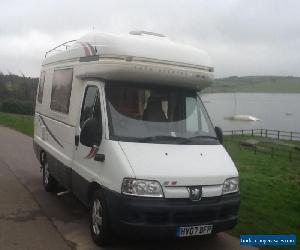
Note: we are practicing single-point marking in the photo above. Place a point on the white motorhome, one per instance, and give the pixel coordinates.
(120, 124)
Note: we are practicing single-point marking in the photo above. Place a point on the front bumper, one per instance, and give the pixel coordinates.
(160, 216)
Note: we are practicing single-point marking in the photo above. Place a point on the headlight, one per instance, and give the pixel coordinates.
(231, 185)
(144, 188)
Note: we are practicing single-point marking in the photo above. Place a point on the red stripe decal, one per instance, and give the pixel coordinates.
(89, 154)
(92, 153)
(86, 49)
(92, 49)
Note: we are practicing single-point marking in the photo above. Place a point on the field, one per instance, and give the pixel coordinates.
(270, 192)
(22, 123)
(270, 187)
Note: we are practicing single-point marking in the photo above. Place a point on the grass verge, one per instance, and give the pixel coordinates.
(270, 192)
(22, 123)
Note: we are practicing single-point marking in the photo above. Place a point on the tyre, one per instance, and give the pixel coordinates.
(50, 184)
(99, 223)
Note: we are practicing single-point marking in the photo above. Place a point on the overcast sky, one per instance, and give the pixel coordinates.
(251, 37)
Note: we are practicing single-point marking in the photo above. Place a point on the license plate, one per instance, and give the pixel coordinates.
(193, 230)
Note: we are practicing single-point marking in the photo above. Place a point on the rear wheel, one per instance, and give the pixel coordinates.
(50, 184)
(99, 224)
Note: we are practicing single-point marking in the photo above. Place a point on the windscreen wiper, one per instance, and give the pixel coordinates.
(199, 137)
(161, 138)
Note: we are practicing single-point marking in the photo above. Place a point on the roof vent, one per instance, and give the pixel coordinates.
(143, 32)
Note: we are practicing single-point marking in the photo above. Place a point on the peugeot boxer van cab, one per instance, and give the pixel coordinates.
(119, 123)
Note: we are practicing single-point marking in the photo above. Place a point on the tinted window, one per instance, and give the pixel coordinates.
(61, 90)
(41, 87)
(91, 105)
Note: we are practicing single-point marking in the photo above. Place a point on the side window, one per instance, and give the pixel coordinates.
(195, 120)
(91, 105)
(61, 90)
(191, 115)
(41, 87)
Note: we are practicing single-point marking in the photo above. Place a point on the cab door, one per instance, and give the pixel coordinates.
(88, 160)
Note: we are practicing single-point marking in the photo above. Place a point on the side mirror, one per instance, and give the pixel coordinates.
(91, 133)
(219, 134)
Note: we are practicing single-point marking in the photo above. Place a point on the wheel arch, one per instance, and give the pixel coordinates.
(43, 157)
(91, 189)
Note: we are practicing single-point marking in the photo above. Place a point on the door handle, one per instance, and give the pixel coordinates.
(76, 140)
(99, 157)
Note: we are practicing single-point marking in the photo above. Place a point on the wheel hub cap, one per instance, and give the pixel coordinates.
(46, 174)
(97, 216)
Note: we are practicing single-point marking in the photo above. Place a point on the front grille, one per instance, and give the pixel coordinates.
(187, 201)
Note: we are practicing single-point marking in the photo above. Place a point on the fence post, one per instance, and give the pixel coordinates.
(252, 132)
(255, 149)
(266, 133)
(242, 132)
(261, 132)
(278, 134)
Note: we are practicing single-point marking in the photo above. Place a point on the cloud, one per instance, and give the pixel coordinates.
(243, 37)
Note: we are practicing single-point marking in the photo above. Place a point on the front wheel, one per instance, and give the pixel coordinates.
(50, 184)
(99, 224)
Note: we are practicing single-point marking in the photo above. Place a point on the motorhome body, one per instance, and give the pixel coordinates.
(120, 124)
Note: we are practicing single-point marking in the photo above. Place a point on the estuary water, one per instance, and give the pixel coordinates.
(275, 111)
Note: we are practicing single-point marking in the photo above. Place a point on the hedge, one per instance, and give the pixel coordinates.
(17, 106)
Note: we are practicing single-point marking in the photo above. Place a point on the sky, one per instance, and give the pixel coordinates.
(243, 37)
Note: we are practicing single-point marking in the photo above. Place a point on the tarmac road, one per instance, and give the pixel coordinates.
(31, 218)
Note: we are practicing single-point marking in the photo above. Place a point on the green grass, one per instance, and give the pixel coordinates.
(272, 147)
(22, 123)
(270, 192)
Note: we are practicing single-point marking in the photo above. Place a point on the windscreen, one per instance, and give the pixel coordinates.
(157, 114)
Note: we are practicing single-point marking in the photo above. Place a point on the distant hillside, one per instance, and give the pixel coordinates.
(17, 94)
(265, 84)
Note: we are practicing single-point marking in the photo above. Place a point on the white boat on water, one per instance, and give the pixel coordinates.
(237, 117)
(244, 118)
